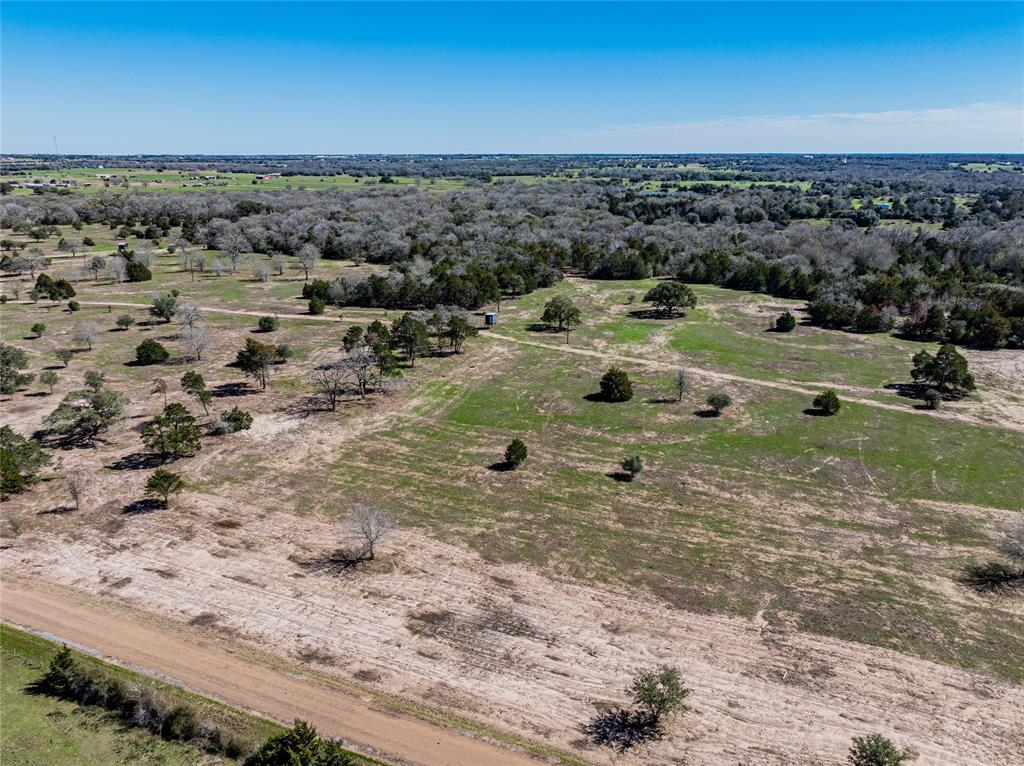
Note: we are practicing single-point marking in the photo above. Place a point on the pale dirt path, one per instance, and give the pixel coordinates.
(781, 385)
(241, 682)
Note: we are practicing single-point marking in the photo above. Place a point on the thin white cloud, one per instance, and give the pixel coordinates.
(979, 127)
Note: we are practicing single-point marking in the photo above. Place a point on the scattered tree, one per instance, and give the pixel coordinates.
(151, 352)
(94, 380)
(163, 483)
(616, 386)
(255, 358)
(633, 466)
(560, 312)
(83, 415)
(932, 399)
(370, 526)
(196, 340)
(515, 453)
(718, 401)
(308, 257)
(785, 322)
(669, 296)
(48, 378)
(267, 324)
(353, 338)
(827, 402)
(188, 316)
(658, 692)
(193, 384)
(412, 336)
(681, 383)
(125, 321)
(65, 355)
(21, 460)
(172, 434)
(87, 332)
(946, 371)
(317, 305)
(164, 306)
(12, 362)
(38, 329)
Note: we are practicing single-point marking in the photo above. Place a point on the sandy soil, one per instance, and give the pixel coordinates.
(515, 648)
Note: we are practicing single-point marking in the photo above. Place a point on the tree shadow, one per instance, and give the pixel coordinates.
(60, 510)
(37, 394)
(656, 314)
(992, 577)
(541, 327)
(620, 476)
(231, 389)
(908, 390)
(337, 562)
(145, 505)
(707, 413)
(622, 729)
(663, 400)
(502, 466)
(137, 461)
(814, 412)
(597, 396)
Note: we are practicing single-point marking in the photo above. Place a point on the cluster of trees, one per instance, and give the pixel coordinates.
(169, 715)
(472, 247)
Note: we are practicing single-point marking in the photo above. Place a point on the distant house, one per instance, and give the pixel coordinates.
(883, 206)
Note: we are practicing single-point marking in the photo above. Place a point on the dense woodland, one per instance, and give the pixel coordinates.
(919, 245)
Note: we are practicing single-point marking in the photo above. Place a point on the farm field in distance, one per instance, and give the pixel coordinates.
(806, 572)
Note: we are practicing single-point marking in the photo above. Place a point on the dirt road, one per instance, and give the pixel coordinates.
(241, 682)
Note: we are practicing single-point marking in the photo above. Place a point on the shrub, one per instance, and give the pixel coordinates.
(300, 745)
(137, 272)
(268, 324)
(88, 241)
(932, 399)
(827, 402)
(125, 321)
(239, 420)
(316, 306)
(515, 453)
(74, 306)
(633, 465)
(718, 401)
(151, 352)
(785, 322)
(876, 750)
(615, 386)
(39, 328)
(658, 692)
(11, 479)
(48, 378)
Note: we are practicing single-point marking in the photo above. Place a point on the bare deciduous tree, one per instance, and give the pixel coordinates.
(308, 257)
(369, 526)
(196, 340)
(330, 380)
(680, 383)
(87, 332)
(188, 317)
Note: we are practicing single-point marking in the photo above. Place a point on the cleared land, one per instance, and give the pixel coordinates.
(801, 571)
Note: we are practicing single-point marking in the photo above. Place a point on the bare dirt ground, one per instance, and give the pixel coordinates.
(245, 682)
(507, 645)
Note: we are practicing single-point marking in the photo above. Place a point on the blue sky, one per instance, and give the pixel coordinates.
(296, 77)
